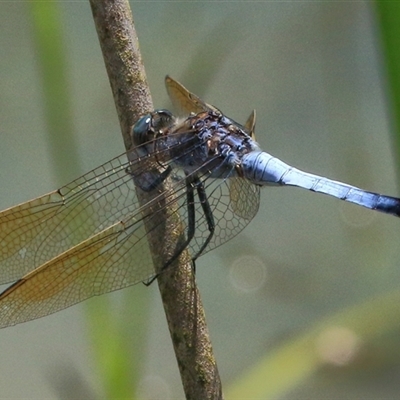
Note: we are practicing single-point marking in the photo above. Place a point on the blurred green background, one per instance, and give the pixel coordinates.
(303, 303)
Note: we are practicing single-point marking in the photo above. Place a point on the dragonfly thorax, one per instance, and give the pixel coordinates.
(219, 142)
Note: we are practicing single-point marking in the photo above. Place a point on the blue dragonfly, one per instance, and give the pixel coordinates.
(90, 236)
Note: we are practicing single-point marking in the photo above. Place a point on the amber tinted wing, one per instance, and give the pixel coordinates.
(250, 125)
(34, 232)
(85, 239)
(111, 259)
(119, 256)
(38, 230)
(184, 101)
(187, 102)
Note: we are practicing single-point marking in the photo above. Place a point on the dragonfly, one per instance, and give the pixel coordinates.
(90, 236)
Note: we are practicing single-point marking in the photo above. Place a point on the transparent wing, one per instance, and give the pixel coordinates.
(38, 230)
(89, 238)
(111, 259)
(233, 204)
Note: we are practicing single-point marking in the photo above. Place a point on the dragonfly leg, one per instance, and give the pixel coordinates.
(205, 205)
(150, 281)
(190, 230)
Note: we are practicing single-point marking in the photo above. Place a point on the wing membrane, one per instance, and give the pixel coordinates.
(107, 261)
(184, 101)
(250, 125)
(38, 230)
(34, 232)
(89, 237)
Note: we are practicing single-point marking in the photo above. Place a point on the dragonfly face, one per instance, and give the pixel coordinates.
(89, 237)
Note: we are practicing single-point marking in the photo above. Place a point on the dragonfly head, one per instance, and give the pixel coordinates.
(149, 125)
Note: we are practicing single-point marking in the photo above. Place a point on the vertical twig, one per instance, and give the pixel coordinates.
(180, 296)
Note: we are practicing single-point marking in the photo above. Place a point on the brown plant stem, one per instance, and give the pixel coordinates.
(180, 296)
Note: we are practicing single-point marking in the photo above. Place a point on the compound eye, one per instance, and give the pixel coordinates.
(164, 114)
(142, 126)
(150, 124)
(161, 119)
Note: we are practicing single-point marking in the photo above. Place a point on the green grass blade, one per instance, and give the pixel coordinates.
(116, 333)
(293, 362)
(389, 23)
(52, 62)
